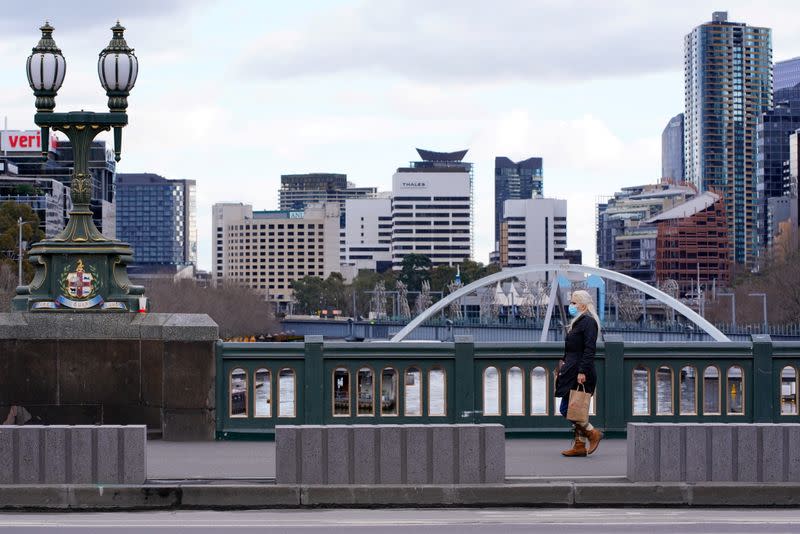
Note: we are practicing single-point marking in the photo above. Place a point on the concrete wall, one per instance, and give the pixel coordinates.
(72, 454)
(390, 454)
(693, 452)
(111, 368)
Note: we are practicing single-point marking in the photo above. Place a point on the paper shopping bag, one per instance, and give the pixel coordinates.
(578, 408)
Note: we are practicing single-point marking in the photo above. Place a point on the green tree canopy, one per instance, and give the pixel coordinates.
(414, 269)
(10, 212)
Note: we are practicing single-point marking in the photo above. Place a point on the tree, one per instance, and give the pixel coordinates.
(415, 269)
(442, 276)
(308, 294)
(10, 212)
(238, 310)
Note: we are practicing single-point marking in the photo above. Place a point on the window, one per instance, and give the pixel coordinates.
(437, 392)
(515, 391)
(341, 392)
(688, 391)
(641, 391)
(491, 391)
(388, 392)
(735, 390)
(366, 392)
(238, 393)
(287, 393)
(413, 392)
(788, 391)
(539, 391)
(263, 393)
(664, 391)
(711, 391)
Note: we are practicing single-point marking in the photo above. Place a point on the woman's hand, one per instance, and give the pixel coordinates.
(581, 378)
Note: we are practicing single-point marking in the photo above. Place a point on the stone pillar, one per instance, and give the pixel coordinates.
(112, 368)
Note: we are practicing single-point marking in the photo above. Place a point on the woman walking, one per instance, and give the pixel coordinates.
(577, 368)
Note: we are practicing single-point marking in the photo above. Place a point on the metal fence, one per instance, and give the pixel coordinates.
(526, 331)
(260, 385)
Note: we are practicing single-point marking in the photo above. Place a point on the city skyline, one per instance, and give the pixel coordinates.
(595, 120)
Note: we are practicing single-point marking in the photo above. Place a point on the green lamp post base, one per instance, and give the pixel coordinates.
(80, 269)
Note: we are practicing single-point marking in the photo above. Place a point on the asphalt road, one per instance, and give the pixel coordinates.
(461, 521)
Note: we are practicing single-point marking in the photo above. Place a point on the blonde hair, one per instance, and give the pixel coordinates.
(583, 297)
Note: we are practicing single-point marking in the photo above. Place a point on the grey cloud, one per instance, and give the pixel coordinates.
(69, 16)
(475, 41)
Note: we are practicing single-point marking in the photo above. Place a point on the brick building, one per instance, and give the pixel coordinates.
(693, 243)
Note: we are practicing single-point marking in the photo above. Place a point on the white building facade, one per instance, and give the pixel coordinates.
(534, 231)
(268, 250)
(367, 235)
(430, 212)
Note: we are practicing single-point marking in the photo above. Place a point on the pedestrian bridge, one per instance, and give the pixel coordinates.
(260, 385)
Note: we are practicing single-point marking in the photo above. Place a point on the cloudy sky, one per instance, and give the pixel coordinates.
(235, 93)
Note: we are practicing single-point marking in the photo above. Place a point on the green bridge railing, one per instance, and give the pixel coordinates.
(260, 385)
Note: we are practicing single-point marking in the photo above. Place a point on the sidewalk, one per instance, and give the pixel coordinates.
(242, 460)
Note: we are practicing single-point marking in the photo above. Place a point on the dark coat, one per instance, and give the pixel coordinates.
(579, 349)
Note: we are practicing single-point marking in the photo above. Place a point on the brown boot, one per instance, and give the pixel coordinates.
(578, 448)
(594, 436)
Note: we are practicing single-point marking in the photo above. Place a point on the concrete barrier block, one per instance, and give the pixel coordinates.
(339, 455)
(697, 460)
(392, 454)
(641, 445)
(772, 464)
(31, 439)
(7, 455)
(106, 454)
(80, 449)
(748, 451)
(418, 454)
(444, 451)
(311, 455)
(287, 459)
(365, 454)
(793, 438)
(55, 455)
(469, 454)
(722, 458)
(494, 454)
(671, 461)
(134, 440)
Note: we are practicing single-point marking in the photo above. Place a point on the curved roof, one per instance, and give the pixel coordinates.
(430, 155)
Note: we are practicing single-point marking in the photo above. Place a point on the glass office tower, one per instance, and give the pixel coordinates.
(157, 217)
(514, 181)
(728, 86)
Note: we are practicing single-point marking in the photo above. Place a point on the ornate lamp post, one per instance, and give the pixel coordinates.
(80, 269)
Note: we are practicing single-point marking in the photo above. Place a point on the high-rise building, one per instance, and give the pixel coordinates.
(22, 148)
(728, 85)
(772, 149)
(268, 250)
(299, 190)
(692, 245)
(47, 197)
(625, 242)
(158, 217)
(534, 231)
(513, 181)
(672, 149)
(432, 209)
(368, 234)
(786, 74)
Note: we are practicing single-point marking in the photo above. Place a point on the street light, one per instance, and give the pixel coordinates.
(80, 268)
(733, 306)
(764, 296)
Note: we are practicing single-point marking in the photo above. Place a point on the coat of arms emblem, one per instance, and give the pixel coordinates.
(80, 284)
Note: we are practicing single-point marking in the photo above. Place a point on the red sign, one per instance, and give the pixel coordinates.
(24, 141)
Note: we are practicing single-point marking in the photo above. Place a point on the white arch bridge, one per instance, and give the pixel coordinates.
(557, 269)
